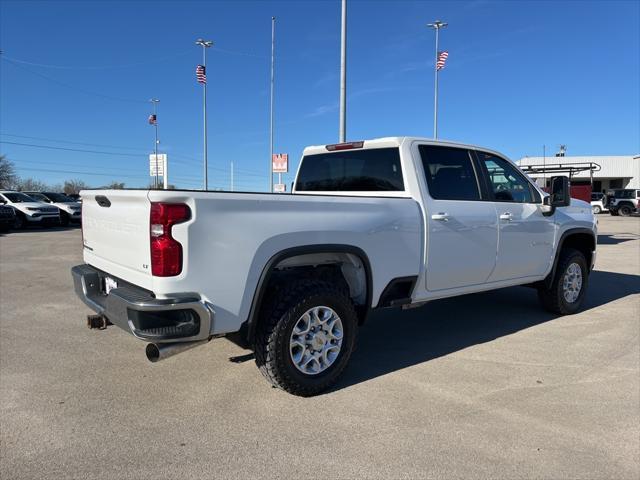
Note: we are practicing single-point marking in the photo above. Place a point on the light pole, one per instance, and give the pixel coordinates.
(343, 75)
(202, 78)
(273, 46)
(437, 25)
(155, 102)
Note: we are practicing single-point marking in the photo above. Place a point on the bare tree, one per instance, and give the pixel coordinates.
(31, 185)
(7, 173)
(74, 186)
(115, 186)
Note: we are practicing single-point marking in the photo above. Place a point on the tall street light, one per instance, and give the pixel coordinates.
(273, 47)
(155, 102)
(202, 78)
(343, 75)
(437, 25)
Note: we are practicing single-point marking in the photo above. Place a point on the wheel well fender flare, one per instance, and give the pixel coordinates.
(563, 238)
(258, 295)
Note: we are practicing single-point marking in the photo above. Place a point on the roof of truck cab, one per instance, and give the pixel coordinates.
(396, 142)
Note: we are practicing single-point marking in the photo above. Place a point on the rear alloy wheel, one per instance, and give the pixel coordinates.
(596, 209)
(305, 337)
(569, 283)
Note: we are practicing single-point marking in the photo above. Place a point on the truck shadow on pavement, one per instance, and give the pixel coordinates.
(393, 339)
(616, 239)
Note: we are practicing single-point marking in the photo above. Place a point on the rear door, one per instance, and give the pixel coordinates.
(462, 236)
(525, 236)
(115, 226)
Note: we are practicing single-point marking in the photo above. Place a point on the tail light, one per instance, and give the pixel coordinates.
(166, 252)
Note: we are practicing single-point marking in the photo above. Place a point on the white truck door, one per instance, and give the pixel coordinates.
(462, 227)
(525, 235)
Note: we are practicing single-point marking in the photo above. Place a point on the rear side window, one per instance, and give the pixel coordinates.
(450, 173)
(371, 170)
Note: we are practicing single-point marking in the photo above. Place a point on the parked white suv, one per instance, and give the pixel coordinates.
(70, 210)
(391, 222)
(29, 211)
(623, 201)
(598, 203)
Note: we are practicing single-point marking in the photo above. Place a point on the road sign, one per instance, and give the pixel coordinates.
(279, 188)
(157, 168)
(280, 162)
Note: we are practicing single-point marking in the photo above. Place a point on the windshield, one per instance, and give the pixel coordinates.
(58, 197)
(38, 196)
(369, 170)
(17, 197)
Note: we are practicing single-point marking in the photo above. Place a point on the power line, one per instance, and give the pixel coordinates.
(73, 149)
(99, 67)
(72, 87)
(70, 142)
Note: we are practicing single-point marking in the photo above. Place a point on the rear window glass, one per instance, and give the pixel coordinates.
(450, 173)
(371, 170)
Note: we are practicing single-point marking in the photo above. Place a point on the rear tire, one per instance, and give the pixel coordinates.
(569, 284)
(625, 210)
(281, 350)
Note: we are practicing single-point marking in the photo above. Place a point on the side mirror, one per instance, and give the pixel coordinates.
(559, 195)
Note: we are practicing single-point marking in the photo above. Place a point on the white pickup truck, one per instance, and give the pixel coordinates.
(382, 223)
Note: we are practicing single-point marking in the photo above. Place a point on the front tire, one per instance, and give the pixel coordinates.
(569, 284)
(305, 337)
(596, 209)
(64, 219)
(20, 222)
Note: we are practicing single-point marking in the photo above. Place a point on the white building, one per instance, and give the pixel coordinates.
(609, 171)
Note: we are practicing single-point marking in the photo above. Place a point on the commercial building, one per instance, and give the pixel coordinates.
(602, 172)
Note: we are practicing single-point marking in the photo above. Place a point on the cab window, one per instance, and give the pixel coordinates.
(505, 181)
(450, 173)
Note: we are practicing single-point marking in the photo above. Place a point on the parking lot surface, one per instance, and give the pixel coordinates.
(482, 386)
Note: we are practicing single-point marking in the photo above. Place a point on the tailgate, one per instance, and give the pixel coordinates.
(115, 226)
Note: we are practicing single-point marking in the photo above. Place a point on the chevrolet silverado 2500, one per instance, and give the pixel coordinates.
(390, 222)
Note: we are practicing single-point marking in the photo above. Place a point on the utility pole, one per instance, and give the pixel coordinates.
(273, 56)
(437, 25)
(343, 75)
(203, 79)
(155, 102)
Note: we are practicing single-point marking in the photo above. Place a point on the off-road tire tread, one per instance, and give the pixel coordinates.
(284, 302)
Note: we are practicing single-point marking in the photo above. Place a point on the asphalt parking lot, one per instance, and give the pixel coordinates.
(482, 386)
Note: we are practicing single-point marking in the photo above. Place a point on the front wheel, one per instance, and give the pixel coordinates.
(64, 219)
(569, 283)
(596, 209)
(305, 337)
(20, 222)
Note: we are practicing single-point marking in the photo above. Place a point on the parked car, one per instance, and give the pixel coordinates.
(70, 210)
(598, 202)
(7, 217)
(623, 201)
(29, 211)
(74, 196)
(391, 222)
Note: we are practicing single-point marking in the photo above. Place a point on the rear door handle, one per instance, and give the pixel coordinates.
(506, 216)
(441, 217)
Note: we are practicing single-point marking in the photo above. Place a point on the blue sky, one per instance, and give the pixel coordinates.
(78, 75)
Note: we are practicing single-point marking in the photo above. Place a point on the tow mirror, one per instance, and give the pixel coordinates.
(560, 196)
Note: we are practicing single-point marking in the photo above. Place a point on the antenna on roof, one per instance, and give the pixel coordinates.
(562, 151)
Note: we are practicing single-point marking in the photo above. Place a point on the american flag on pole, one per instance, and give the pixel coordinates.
(201, 74)
(153, 120)
(442, 58)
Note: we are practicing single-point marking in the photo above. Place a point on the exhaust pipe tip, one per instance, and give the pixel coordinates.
(160, 351)
(153, 352)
